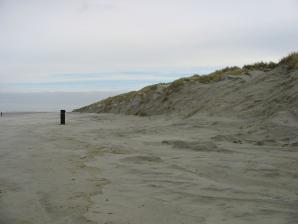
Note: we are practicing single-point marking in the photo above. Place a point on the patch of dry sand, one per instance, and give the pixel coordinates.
(126, 169)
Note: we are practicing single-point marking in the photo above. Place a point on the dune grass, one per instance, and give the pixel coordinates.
(261, 66)
(119, 98)
(212, 77)
(128, 96)
(291, 60)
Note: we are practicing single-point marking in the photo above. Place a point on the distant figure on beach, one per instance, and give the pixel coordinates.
(1, 114)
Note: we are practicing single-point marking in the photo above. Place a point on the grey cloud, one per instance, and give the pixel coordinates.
(42, 38)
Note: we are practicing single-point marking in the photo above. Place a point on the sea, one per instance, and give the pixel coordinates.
(49, 101)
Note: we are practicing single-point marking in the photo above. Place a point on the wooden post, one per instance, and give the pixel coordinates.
(62, 117)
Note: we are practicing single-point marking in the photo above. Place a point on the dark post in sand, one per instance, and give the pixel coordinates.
(1, 114)
(62, 116)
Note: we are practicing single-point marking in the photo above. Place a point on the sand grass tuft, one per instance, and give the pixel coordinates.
(212, 77)
(261, 66)
(291, 60)
(119, 98)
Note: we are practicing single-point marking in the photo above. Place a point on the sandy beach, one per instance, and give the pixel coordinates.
(105, 168)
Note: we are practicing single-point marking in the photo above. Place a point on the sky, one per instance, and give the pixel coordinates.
(118, 45)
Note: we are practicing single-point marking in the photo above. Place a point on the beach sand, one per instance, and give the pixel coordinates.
(117, 169)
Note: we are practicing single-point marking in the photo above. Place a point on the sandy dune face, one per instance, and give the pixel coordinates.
(250, 93)
(104, 168)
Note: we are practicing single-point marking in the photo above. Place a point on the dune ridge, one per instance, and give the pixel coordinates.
(257, 90)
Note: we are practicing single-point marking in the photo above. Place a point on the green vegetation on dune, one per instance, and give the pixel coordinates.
(291, 60)
(149, 88)
(219, 74)
(110, 100)
(129, 95)
(212, 77)
(119, 98)
(260, 66)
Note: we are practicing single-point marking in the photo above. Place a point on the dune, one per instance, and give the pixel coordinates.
(222, 148)
(258, 91)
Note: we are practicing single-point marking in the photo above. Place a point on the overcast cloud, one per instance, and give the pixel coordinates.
(135, 42)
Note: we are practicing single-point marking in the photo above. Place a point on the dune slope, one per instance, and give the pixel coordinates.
(260, 89)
